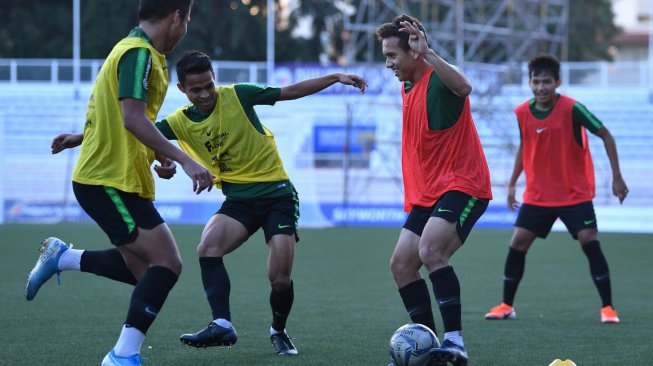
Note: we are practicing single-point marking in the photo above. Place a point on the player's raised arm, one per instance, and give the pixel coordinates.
(312, 86)
(451, 76)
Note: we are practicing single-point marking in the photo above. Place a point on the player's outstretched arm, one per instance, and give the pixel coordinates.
(137, 123)
(66, 141)
(312, 86)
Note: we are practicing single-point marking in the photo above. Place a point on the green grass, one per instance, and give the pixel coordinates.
(346, 304)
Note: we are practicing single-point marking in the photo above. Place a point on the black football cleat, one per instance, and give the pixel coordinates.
(212, 335)
(282, 344)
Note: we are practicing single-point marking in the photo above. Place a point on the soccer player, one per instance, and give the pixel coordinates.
(112, 180)
(554, 155)
(446, 179)
(221, 129)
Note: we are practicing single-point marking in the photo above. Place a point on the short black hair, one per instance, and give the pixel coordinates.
(154, 10)
(387, 30)
(193, 62)
(543, 63)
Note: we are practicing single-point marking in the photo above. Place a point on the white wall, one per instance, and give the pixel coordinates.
(629, 14)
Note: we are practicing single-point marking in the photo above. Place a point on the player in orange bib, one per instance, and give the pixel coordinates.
(446, 179)
(553, 129)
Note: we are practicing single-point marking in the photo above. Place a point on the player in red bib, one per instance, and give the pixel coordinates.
(555, 157)
(446, 179)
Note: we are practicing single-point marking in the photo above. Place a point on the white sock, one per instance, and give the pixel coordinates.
(70, 259)
(455, 337)
(129, 343)
(274, 331)
(224, 323)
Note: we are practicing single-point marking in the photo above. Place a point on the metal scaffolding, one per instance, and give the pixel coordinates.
(462, 31)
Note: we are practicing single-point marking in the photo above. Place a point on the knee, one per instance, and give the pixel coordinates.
(521, 244)
(585, 237)
(175, 265)
(522, 240)
(280, 283)
(206, 250)
(404, 271)
(201, 249)
(521, 247)
(397, 267)
(432, 257)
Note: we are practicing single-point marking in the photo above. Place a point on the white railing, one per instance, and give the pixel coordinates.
(61, 71)
(599, 74)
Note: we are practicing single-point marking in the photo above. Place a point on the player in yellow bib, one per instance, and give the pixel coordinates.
(221, 129)
(112, 180)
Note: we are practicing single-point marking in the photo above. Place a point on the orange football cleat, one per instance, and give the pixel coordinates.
(500, 312)
(609, 315)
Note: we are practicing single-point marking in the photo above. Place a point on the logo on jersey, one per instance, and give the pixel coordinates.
(148, 68)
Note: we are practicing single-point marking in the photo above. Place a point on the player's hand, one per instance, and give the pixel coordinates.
(619, 188)
(416, 38)
(65, 141)
(201, 177)
(512, 202)
(166, 169)
(355, 80)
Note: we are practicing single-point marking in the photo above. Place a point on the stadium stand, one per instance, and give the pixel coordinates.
(32, 113)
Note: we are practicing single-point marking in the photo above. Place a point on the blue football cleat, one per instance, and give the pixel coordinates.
(46, 266)
(111, 359)
(449, 352)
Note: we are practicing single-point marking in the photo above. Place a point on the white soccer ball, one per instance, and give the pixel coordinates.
(410, 345)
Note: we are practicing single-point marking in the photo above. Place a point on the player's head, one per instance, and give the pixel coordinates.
(388, 30)
(544, 78)
(173, 15)
(153, 10)
(197, 80)
(544, 63)
(394, 44)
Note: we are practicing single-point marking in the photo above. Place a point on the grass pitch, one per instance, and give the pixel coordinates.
(346, 304)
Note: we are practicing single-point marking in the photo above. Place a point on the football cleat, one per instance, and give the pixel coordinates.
(212, 335)
(609, 315)
(449, 352)
(46, 266)
(502, 311)
(282, 344)
(111, 359)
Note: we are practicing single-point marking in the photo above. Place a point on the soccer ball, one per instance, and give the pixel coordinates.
(410, 345)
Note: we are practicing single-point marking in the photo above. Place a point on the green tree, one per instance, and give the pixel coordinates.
(233, 29)
(591, 29)
(227, 30)
(103, 23)
(35, 29)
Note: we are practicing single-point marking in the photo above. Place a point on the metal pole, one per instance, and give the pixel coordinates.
(76, 47)
(346, 164)
(460, 33)
(270, 43)
(650, 52)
